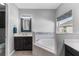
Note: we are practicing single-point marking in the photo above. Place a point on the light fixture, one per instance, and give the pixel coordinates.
(2, 3)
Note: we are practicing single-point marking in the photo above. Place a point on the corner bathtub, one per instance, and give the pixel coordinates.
(47, 44)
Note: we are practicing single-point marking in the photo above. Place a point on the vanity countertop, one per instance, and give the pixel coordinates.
(22, 34)
(73, 43)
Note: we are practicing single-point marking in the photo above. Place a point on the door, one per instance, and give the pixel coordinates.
(19, 43)
(28, 43)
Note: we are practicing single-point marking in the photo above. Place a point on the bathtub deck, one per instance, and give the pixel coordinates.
(51, 50)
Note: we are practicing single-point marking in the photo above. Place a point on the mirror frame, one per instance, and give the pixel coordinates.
(22, 30)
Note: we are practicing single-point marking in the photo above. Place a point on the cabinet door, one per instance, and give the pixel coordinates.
(19, 43)
(68, 51)
(28, 43)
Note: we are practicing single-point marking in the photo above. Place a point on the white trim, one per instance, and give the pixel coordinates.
(6, 46)
(6, 31)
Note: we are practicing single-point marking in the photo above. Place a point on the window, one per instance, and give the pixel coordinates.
(65, 23)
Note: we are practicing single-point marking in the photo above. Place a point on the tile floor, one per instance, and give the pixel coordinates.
(23, 53)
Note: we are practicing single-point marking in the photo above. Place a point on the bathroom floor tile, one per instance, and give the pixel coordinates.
(23, 53)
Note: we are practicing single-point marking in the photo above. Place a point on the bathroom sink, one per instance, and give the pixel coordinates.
(23, 34)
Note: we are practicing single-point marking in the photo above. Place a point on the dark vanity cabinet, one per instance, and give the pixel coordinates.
(23, 43)
(69, 51)
(28, 43)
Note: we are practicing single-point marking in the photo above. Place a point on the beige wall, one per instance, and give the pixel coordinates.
(43, 20)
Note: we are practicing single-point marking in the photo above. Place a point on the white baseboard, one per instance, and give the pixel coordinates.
(11, 54)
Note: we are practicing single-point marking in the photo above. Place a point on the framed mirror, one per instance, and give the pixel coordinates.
(26, 24)
(64, 23)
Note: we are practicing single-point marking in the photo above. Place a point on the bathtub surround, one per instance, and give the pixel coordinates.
(40, 49)
(45, 41)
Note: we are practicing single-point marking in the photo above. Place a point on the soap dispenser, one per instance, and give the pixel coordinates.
(14, 30)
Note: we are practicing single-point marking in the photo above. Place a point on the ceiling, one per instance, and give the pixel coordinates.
(37, 5)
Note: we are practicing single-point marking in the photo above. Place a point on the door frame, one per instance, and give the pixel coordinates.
(6, 30)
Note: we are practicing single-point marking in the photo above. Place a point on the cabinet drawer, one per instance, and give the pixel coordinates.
(18, 44)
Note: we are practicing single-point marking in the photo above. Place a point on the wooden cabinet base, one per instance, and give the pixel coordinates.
(23, 43)
(69, 51)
